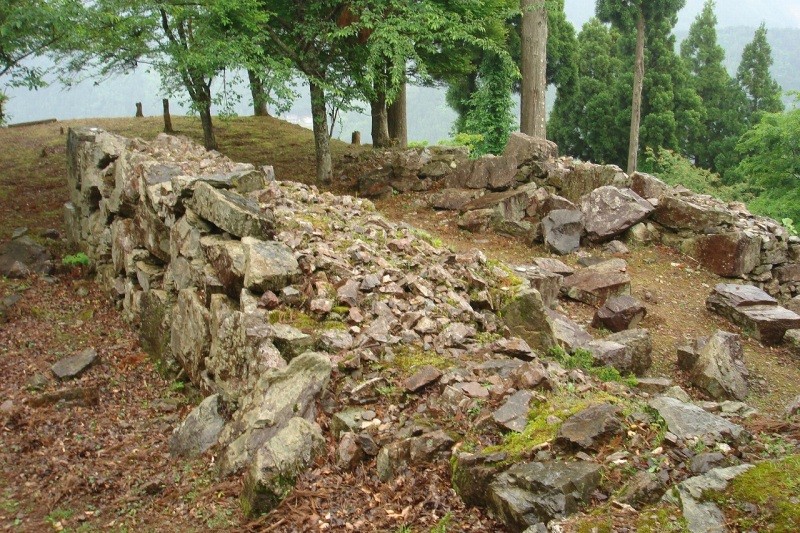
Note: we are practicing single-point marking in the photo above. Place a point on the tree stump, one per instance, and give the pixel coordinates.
(356, 139)
(139, 110)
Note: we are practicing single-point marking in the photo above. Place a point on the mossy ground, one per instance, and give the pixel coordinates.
(765, 498)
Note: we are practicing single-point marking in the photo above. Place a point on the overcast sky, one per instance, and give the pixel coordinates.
(775, 13)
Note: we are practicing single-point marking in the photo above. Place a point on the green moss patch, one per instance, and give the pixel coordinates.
(765, 498)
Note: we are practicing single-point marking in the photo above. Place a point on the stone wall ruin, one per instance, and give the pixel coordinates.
(530, 193)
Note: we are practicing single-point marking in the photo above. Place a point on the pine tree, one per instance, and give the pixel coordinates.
(711, 145)
(763, 92)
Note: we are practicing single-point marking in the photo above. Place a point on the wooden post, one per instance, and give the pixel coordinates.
(167, 118)
(356, 139)
(139, 110)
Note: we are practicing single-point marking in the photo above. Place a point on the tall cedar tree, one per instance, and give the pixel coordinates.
(626, 15)
(763, 92)
(712, 144)
(533, 66)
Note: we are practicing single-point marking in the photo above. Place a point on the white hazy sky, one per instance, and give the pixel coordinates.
(775, 13)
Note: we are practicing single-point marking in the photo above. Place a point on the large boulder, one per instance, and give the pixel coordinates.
(730, 254)
(609, 211)
(754, 310)
(562, 230)
(683, 213)
(528, 494)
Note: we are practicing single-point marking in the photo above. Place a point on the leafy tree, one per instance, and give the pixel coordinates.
(626, 15)
(188, 43)
(30, 28)
(770, 164)
(763, 92)
(711, 144)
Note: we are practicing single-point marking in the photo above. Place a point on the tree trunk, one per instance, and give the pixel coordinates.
(259, 95)
(380, 121)
(139, 112)
(209, 140)
(167, 117)
(321, 137)
(398, 119)
(636, 107)
(533, 119)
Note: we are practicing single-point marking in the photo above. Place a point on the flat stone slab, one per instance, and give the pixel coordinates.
(594, 287)
(72, 367)
(554, 265)
(422, 378)
(686, 420)
(754, 310)
(232, 212)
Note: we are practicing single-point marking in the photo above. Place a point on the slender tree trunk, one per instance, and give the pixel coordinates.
(209, 140)
(380, 121)
(259, 95)
(636, 107)
(321, 137)
(167, 117)
(2, 112)
(398, 118)
(533, 119)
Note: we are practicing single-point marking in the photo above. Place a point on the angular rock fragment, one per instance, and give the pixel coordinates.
(687, 420)
(513, 414)
(594, 287)
(619, 313)
(421, 378)
(562, 230)
(591, 428)
(200, 430)
(74, 366)
(719, 367)
(531, 493)
(232, 212)
(269, 265)
(609, 211)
